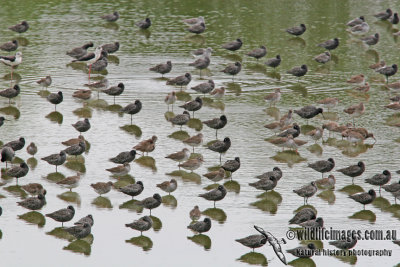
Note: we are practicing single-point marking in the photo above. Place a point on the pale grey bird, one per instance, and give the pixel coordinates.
(201, 63)
(182, 80)
(306, 191)
(205, 87)
(76, 150)
(111, 17)
(87, 219)
(180, 119)
(142, 224)
(258, 52)
(162, 68)
(197, 28)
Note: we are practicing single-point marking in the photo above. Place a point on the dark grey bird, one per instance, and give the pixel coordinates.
(62, 215)
(7, 154)
(77, 149)
(34, 203)
(353, 170)
(216, 123)
(274, 62)
(306, 191)
(234, 45)
(297, 30)
(220, 146)
(2, 119)
(151, 202)
(9, 46)
(266, 184)
(313, 223)
(323, 57)
(20, 27)
(258, 52)
(348, 243)
(111, 17)
(233, 69)
(388, 71)
(144, 24)
(82, 126)
(87, 219)
(384, 15)
(355, 21)
(371, 39)
(253, 241)
(309, 112)
(380, 179)
(11, 92)
(197, 28)
(276, 172)
(182, 80)
(193, 105)
(56, 159)
(142, 225)
(110, 48)
(231, 165)
(298, 71)
(323, 166)
(216, 194)
(133, 189)
(330, 44)
(180, 119)
(79, 231)
(16, 144)
(18, 171)
(394, 19)
(303, 215)
(303, 251)
(79, 52)
(201, 63)
(204, 88)
(132, 108)
(101, 63)
(364, 197)
(124, 157)
(114, 90)
(294, 131)
(201, 227)
(55, 98)
(162, 68)
(393, 187)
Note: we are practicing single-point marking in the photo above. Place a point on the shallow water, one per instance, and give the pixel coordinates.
(57, 26)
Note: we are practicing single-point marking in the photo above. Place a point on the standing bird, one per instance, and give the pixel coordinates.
(80, 51)
(274, 62)
(179, 156)
(170, 99)
(34, 203)
(201, 63)
(132, 108)
(182, 80)
(180, 119)
(9, 46)
(45, 82)
(323, 166)
(330, 44)
(220, 146)
(192, 164)
(115, 90)
(62, 215)
(355, 21)
(102, 188)
(297, 30)
(218, 92)
(371, 40)
(120, 170)
(353, 170)
(384, 15)
(274, 97)
(215, 176)
(298, 71)
(193, 105)
(355, 110)
(90, 58)
(258, 52)
(197, 28)
(144, 24)
(326, 183)
(303, 215)
(231, 165)
(201, 227)
(388, 71)
(234, 45)
(142, 225)
(79, 231)
(253, 241)
(55, 98)
(168, 186)
(216, 194)
(309, 112)
(20, 27)
(70, 181)
(329, 102)
(82, 126)
(56, 159)
(202, 52)
(204, 88)
(147, 145)
(76, 150)
(394, 19)
(124, 157)
(380, 179)
(18, 171)
(195, 213)
(32, 149)
(7, 154)
(111, 17)
(233, 69)
(306, 191)
(11, 92)
(132, 189)
(151, 202)
(162, 68)
(266, 184)
(194, 141)
(316, 134)
(217, 123)
(12, 61)
(323, 58)
(364, 197)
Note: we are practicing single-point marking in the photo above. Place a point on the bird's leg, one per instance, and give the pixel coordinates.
(220, 158)
(114, 100)
(56, 168)
(90, 69)
(131, 119)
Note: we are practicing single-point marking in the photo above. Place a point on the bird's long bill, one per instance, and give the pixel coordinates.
(260, 230)
(323, 115)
